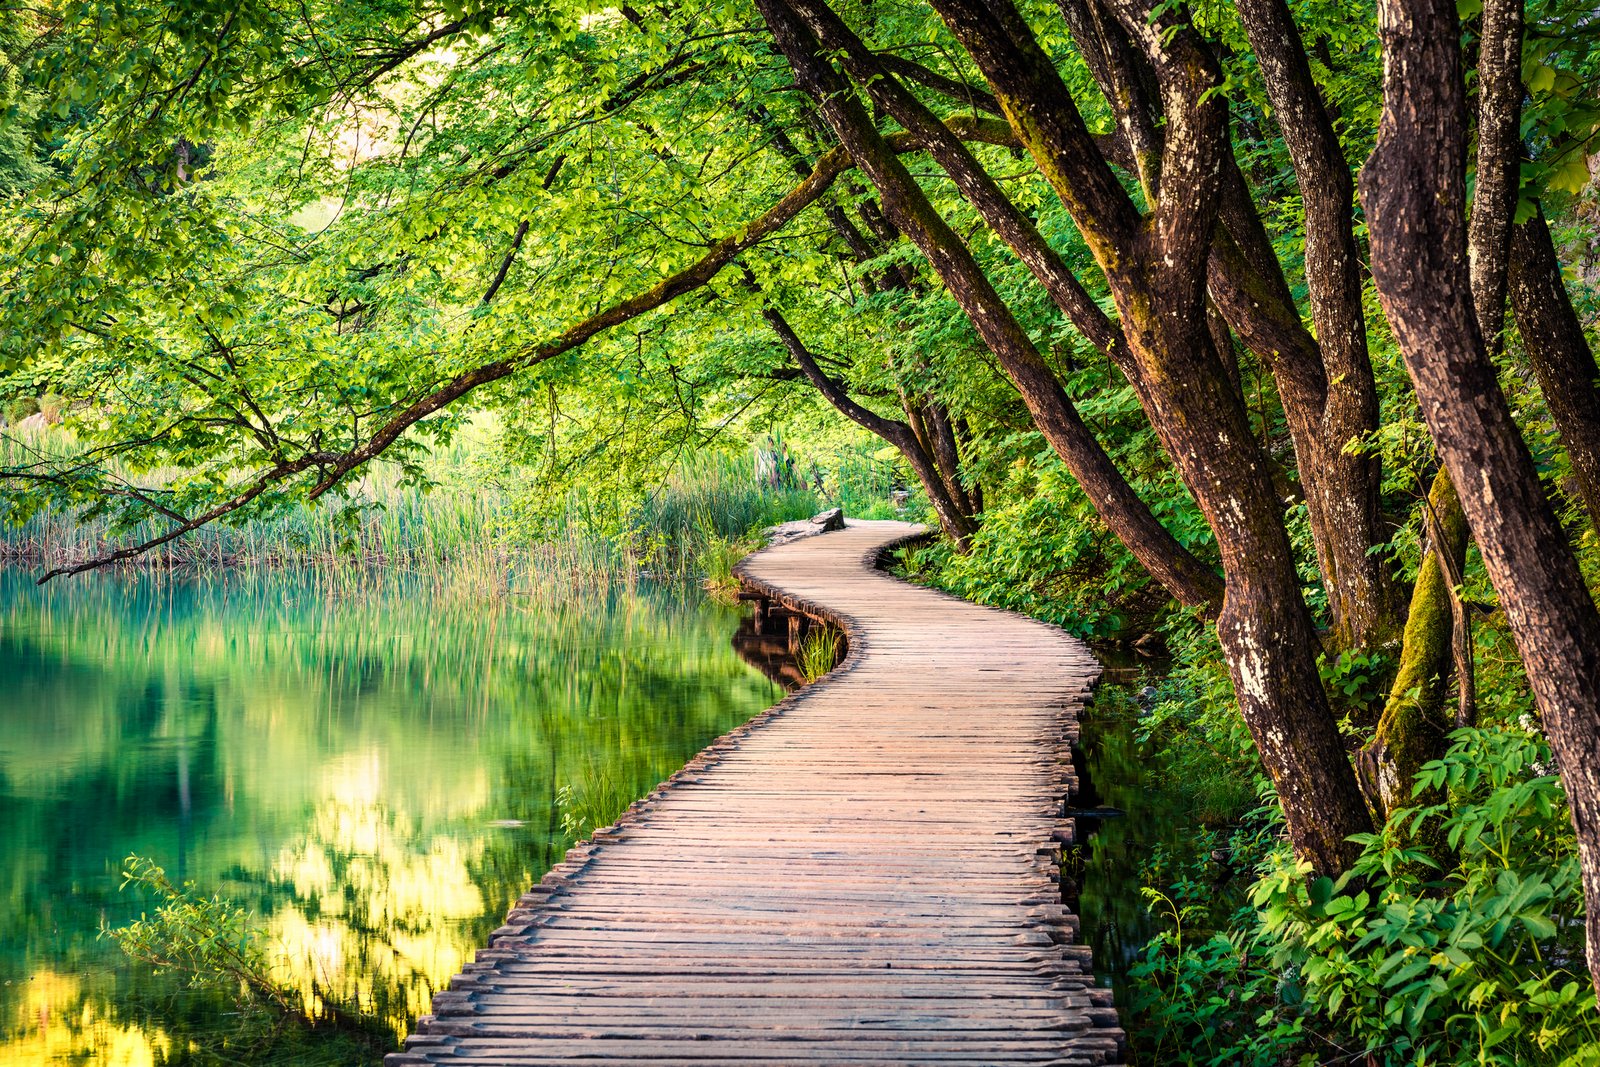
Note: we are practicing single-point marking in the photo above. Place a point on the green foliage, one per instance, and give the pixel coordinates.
(1469, 954)
(1354, 680)
(1474, 958)
(207, 939)
(713, 498)
(1200, 995)
(594, 798)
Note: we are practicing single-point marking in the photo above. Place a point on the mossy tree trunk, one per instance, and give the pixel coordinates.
(1414, 190)
(1415, 720)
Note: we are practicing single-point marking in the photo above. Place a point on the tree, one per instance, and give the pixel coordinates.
(1414, 189)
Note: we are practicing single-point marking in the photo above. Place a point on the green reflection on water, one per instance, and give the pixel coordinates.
(378, 774)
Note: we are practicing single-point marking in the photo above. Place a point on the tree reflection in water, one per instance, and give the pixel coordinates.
(375, 771)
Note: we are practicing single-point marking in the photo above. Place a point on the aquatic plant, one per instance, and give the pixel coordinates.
(204, 938)
(464, 535)
(819, 652)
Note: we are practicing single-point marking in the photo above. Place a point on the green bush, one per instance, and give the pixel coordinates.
(1457, 938)
(206, 939)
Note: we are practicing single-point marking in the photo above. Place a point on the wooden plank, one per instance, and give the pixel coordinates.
(864, 873)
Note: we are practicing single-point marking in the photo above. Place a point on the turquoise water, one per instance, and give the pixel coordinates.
(375, 769)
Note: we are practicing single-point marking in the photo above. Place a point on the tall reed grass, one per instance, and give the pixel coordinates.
(709, 513)
(464, 534)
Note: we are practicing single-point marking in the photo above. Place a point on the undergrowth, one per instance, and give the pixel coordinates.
(1456, 940)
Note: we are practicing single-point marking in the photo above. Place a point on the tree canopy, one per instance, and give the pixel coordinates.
(1258, 312)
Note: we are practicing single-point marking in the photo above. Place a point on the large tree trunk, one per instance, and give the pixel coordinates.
(1559, 354)
(910, 211)
(1157, 269)
(1328, 392)
(1343, 483)
(1413, 188)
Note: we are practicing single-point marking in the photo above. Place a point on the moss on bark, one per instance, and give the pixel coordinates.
(1412, 729)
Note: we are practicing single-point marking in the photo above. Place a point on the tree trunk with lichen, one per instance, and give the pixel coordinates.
(1341, 482)
(1412, 728)
(1414, 190)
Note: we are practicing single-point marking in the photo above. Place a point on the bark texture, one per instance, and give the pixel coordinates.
(1156, 267)
(1559, 353)
(1494, 195)
(1413, 188)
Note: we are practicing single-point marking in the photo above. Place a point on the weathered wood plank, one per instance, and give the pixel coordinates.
(864, 873)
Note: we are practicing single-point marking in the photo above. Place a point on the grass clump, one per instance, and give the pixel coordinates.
(819, 652)
(708, 515)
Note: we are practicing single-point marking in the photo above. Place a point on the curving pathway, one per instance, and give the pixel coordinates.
(863, 874)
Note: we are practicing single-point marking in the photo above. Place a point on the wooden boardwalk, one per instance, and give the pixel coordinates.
(863, 874)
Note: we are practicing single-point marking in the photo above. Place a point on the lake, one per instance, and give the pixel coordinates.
(374, 768)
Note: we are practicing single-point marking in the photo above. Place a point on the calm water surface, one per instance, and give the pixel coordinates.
(376, 772)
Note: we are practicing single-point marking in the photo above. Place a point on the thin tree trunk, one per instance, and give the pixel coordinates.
(952, 521)
(908, 208)
(1414, 191)
(1494, 194)
(1559, 353)
(948, 455)
(1125, 80)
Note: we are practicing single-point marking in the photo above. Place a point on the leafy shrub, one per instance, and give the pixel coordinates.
(206, 939)
(1457, 938)
(1354, 680)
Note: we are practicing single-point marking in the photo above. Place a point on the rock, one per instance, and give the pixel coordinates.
(36, 421)
(832, 519)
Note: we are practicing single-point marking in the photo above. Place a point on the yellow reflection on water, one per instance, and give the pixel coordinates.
(375, 909)
(58, 1022)
(375, 779)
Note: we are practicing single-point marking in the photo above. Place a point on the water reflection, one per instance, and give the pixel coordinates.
(1125, 811)
(376, 773)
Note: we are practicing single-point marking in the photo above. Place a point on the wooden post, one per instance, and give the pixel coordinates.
(797, 630)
